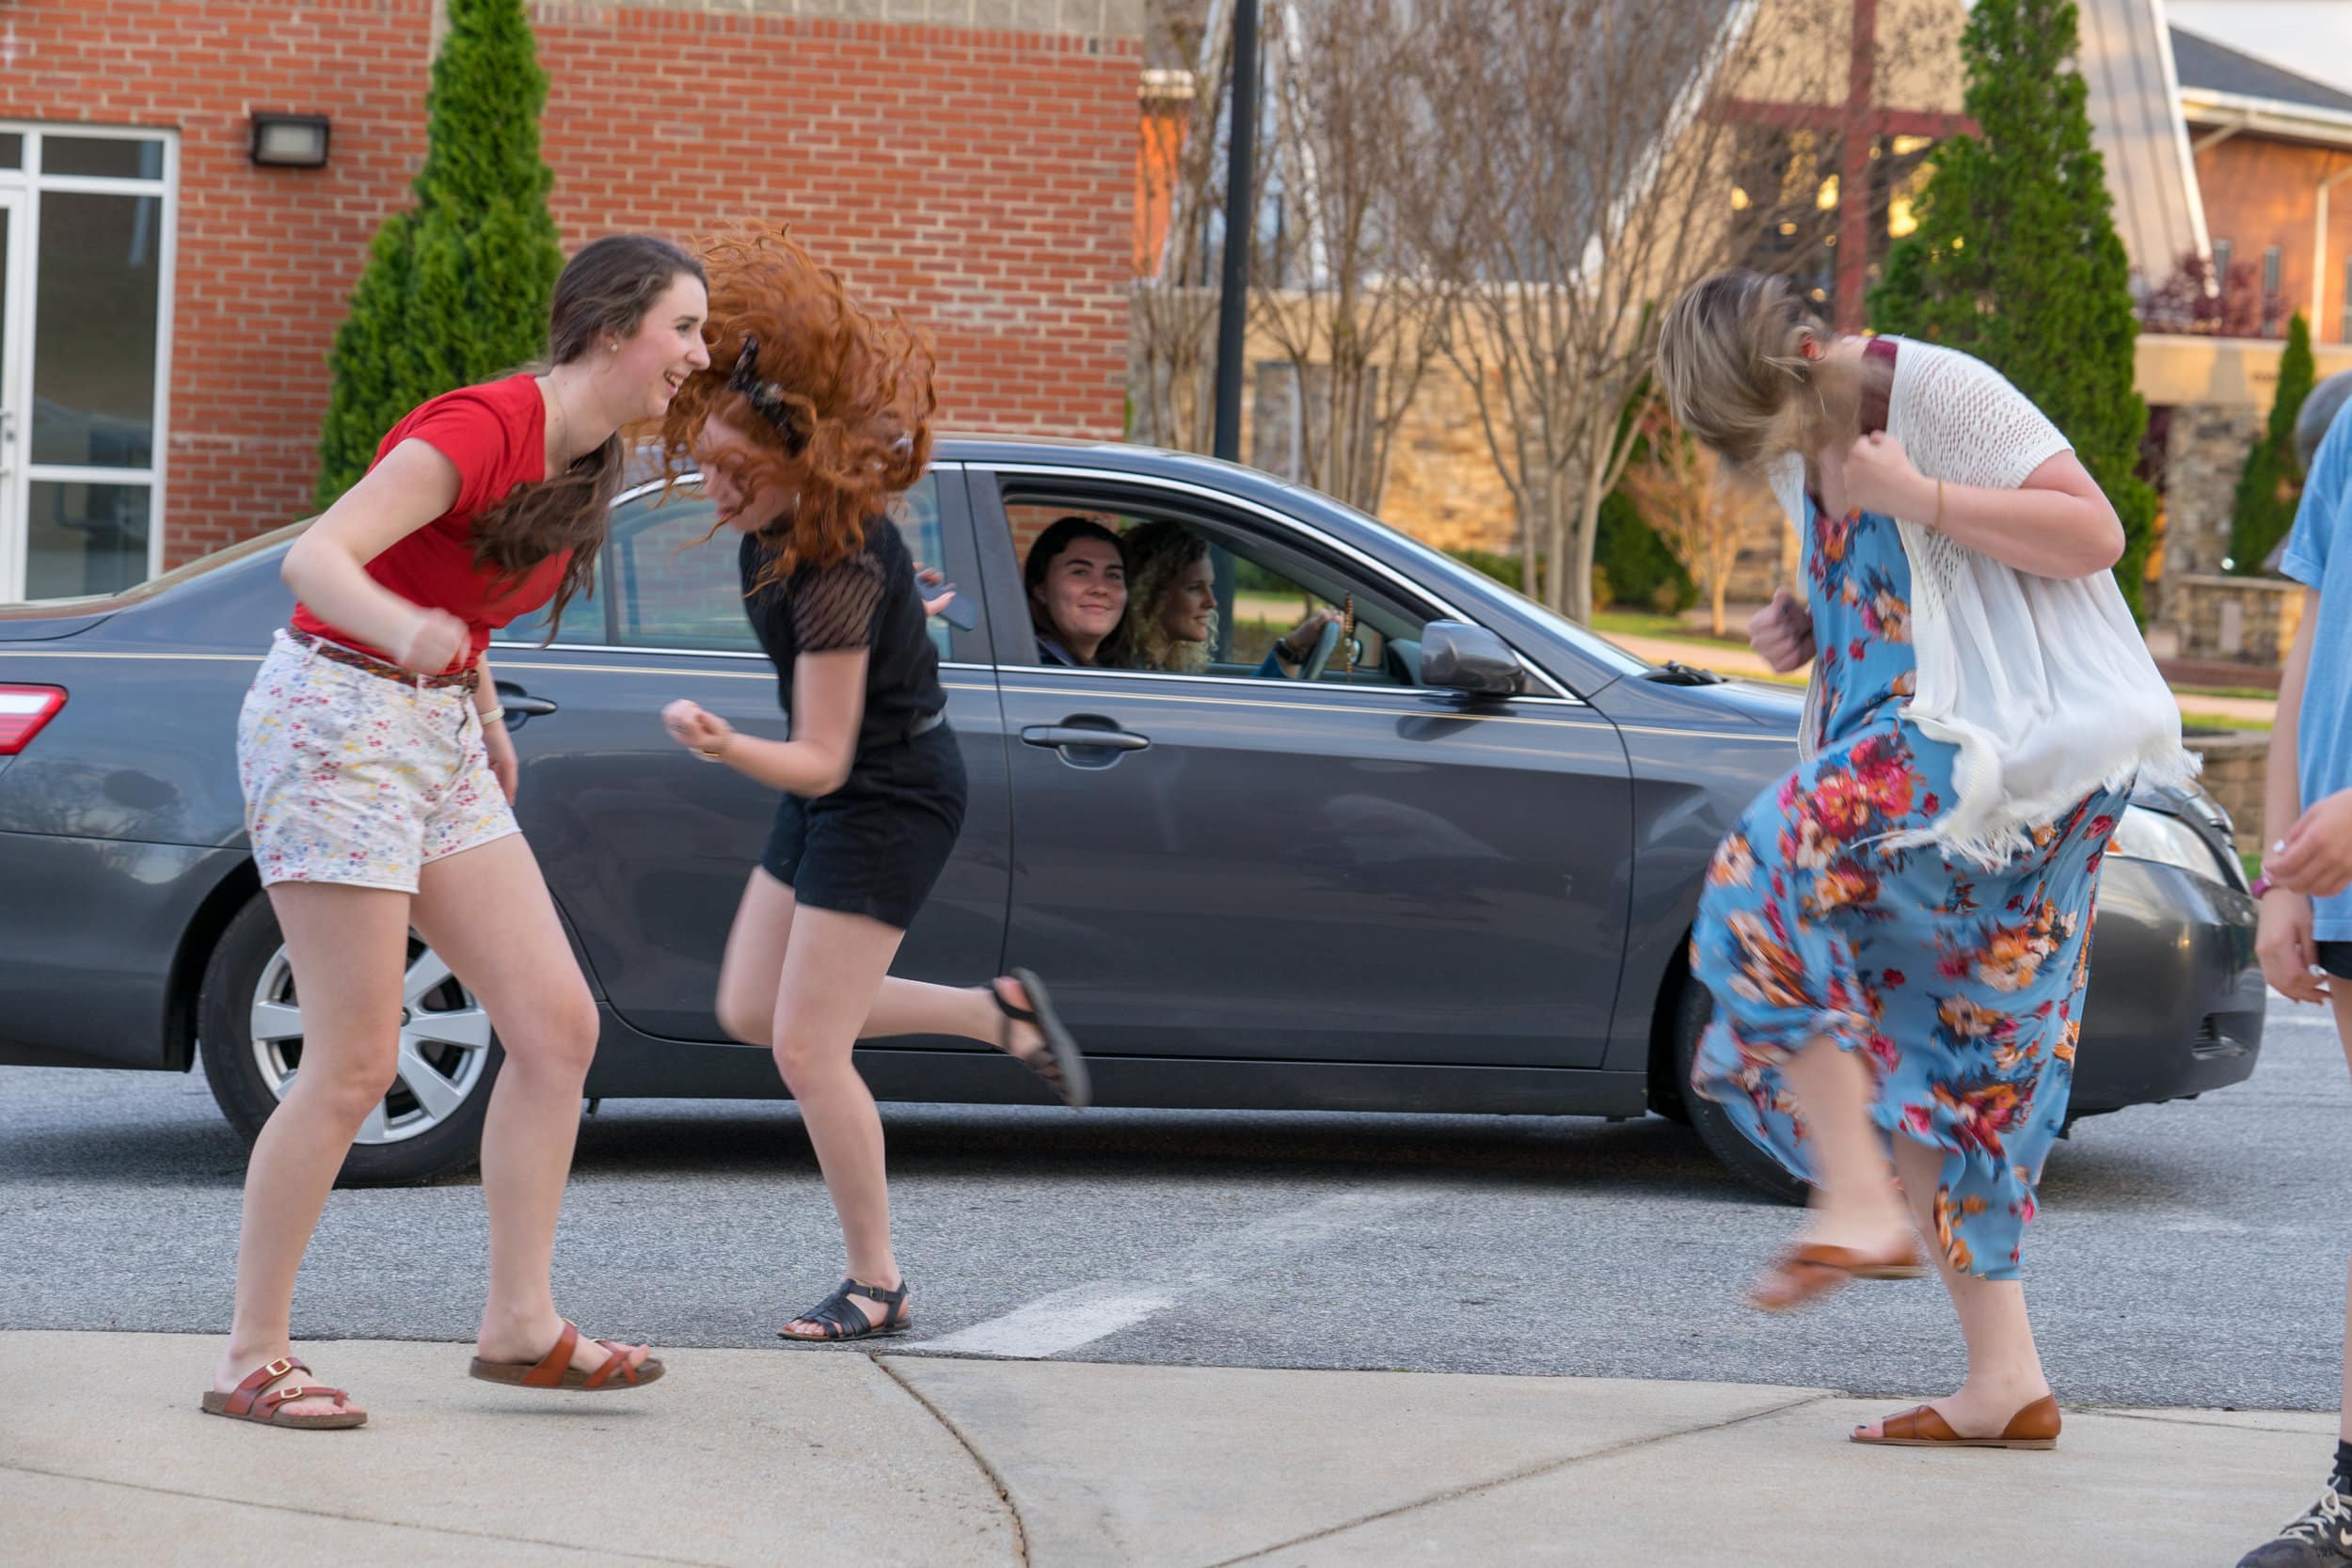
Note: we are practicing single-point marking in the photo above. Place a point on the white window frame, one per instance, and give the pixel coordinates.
(28, 181)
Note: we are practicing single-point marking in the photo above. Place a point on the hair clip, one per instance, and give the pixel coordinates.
(766, 397)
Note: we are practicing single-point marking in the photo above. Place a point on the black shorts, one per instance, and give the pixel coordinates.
(2336, 958)
(875, 846)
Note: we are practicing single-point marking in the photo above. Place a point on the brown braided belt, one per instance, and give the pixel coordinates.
(335, 653)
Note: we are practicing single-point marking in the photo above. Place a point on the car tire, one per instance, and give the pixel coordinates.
(411, 1138)
(1693, 1011)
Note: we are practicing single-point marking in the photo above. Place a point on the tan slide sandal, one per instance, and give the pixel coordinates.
(555, 1370)
(2034, 1427)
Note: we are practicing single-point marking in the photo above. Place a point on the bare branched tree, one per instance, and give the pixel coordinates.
(1597, 146)
(1343, 286)
(1704, 512)
(1181, 190)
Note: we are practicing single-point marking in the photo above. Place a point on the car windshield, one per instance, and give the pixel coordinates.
(1439, 565)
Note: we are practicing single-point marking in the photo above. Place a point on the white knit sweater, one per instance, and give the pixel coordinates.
(2043, 683)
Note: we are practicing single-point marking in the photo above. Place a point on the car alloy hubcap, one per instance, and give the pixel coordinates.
(444, 1045)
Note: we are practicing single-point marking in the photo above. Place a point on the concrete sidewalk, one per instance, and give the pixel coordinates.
(798, 1456)
(1739, 661)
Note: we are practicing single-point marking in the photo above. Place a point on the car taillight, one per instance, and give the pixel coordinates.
(24, 709)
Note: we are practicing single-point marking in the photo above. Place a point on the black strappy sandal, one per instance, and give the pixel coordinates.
(1061, 1064)
(842, 1321)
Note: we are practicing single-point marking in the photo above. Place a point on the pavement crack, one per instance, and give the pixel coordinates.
(2190, 1420)
(988, 1471)
(606, 1552)
(1530, 1473)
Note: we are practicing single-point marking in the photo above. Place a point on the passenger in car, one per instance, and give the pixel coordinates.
(818, 424)
(1171, 608)
(1078, 582)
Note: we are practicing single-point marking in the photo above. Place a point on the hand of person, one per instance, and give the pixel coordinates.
(1880, 477)
(1298, 646)
(2282, 940)
(932, 577)
(434, 640)
(2315, 857)
(1782, 631)
(698, 730)
(500, 746)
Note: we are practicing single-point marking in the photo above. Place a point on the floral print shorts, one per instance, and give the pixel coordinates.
(358, 779)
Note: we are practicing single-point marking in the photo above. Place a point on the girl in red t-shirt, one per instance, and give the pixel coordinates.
(802, 445)
(378, 777)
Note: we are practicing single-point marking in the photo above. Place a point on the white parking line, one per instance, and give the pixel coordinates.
(1082, 1314)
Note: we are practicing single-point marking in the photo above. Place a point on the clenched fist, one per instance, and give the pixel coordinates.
(696, 730)
(1782, 631)
(435, 639)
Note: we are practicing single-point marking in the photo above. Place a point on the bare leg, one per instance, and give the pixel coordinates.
(753, 966)
(2004, 1369)
(1854, 1202)
(832, 970)
(349, 947)
(486, 911)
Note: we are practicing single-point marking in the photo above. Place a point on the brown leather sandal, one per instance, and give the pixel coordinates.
(1810, 1271)
(2034, 1427)
(555, 1370)
(249, 1403)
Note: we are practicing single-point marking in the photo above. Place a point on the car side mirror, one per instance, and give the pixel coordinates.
(1462, 657)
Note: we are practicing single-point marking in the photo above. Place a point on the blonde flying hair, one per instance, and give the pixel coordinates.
(1157, 554)
(1731, 359)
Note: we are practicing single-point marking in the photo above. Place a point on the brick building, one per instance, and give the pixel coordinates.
(166, 304)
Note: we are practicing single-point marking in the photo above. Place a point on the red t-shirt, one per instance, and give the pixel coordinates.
(497, 437)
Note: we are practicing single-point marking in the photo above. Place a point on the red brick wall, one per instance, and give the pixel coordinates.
(983, 182)
(2259, 192)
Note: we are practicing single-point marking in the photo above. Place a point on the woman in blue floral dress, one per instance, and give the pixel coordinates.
(1896, 1019)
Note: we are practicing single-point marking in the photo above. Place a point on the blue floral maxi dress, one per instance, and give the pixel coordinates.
(1962, 988)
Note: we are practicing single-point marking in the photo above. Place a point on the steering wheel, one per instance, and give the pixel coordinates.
(1325, 642)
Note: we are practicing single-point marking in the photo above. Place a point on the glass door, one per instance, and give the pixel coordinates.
(98, 255)
(13, 425)
(85, 339)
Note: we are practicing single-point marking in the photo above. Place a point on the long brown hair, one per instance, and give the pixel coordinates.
(835, 400)
(604, 291)
(1050, 547)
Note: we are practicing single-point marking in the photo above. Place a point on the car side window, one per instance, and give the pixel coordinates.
(1279, 611)
(667, 581)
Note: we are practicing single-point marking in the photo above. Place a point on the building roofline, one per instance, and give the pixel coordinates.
(2269, 117)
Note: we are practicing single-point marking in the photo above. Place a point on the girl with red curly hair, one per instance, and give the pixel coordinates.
(811, 421)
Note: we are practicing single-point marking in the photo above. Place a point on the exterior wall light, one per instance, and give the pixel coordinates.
(288, 141)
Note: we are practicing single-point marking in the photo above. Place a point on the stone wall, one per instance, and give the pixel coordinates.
(2250, 621)
(2206, 449)
(2236, 769)
(1443, 487)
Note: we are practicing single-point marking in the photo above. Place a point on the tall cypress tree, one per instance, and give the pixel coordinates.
(2016, 259)
(455, 288)
(2271, 483)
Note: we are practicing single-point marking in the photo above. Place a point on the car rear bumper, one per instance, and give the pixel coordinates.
(90, 930)
(2177, 1000)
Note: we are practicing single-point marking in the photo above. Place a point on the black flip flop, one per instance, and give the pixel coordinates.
(1062, 1064)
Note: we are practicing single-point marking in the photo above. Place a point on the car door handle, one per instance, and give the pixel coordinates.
(522, 706)
(1061, 735)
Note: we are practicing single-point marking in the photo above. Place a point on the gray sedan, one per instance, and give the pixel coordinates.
(1450, 868)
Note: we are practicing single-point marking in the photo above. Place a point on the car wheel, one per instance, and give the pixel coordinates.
(250, 1019)
(1693, 1010)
